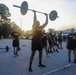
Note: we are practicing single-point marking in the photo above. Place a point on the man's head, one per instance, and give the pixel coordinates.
(72, 30)
(37, 23)
(43, 31)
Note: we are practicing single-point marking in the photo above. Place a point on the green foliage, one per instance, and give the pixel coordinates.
(4, 12)
(6, 29)
(6, 26)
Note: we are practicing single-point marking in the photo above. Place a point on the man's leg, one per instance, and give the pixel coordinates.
(51, 49)
(69, 55)
(16, 48)
(40, 59)
(46, 50)
(31, 60)
(61, 44)
(13, 44)
(74, 51)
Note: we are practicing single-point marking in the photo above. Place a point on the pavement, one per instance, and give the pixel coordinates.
(56, 63)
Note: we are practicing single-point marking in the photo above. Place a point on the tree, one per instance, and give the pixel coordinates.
(14, 27)
(4, 13)
(6, 30)
(5, 26)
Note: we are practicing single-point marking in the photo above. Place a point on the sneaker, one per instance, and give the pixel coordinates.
(14, 53)
(51, 52)
(17, 53)
(74, 61)
(57, 50)
(48, 51)
(53, 49)
(47, 55)
(58, 47)
(61, 48)
(30, 69)
(18, 48)
(41, 65)
(69, 60)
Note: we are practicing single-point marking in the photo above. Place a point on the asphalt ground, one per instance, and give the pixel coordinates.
(56, 63)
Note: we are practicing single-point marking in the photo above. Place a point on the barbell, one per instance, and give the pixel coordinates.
(24, 8)
(6, 48)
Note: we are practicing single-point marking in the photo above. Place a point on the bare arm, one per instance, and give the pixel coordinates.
(35, 17)
(46, 22)
(66, 43)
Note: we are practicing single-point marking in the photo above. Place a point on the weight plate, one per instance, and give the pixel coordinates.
(24, 8)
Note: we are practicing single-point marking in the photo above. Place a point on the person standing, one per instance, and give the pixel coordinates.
(71, 44)
(50, 41)
(55, 47)
(44, 41)
(36, 40)
(15, 43)
(60, 40)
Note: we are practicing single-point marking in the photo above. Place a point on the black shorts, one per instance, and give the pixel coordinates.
(55, 43)
(60, 41)
(70, 47)
(15, 43)
(50, 43)
(36, 45)
(44, 43)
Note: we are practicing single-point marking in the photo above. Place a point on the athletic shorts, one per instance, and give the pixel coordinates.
(55, 43)
(70, 47)
(59, 41)
(15, 43)
(36, 45)
(44, 43)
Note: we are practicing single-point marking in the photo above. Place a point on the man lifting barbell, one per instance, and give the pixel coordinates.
(36, 40)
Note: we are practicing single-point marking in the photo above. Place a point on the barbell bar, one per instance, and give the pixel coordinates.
(24, 8)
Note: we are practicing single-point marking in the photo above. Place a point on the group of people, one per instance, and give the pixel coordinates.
(40, 40)
(51, 42)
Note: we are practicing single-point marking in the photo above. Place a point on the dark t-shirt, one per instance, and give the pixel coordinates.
(44, 37)
(55, 38)
(60, 37)
(50, 37)
(71, 43)
(15, 35)
(71, 38)
(37, 32)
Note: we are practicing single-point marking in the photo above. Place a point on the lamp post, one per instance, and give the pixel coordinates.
(21, 23)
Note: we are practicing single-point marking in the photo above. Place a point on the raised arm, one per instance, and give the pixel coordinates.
(46, 22)
(35, 17)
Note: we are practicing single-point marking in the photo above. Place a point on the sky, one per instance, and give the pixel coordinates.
(66, 10)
